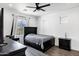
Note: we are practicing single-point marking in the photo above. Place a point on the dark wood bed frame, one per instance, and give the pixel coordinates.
(47, 44)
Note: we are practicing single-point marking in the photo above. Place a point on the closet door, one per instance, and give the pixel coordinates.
(1, 25)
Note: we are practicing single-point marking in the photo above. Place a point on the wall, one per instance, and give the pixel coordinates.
(8, 20)
(50, 24)
(33, 21)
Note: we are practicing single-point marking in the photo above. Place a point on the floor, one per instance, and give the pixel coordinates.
(33, 52)
(55, 51)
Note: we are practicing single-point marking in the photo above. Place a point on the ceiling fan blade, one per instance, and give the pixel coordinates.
(30, 7)
(34, 10)
(36, 4)
(42, 9)
(45, 5)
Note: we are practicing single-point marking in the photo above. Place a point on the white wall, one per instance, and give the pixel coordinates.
(50, 24)
(8, 20)
(33, 21)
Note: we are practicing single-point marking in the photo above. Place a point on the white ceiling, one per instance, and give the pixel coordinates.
(55, 7)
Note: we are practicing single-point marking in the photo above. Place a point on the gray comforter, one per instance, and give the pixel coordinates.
(38, 39)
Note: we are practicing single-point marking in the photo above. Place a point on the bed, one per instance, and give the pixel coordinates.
(38, 41)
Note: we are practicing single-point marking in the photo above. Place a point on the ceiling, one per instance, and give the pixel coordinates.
(53, 8)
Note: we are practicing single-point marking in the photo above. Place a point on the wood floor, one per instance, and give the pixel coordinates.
(55, 51)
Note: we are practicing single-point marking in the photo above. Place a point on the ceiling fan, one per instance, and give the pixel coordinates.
(37, 7)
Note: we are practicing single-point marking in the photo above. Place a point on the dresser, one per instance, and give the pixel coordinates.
(12, 48)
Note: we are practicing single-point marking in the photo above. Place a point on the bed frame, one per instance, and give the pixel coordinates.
(47, 44)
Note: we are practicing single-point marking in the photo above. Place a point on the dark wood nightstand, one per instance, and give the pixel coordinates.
(65, 43)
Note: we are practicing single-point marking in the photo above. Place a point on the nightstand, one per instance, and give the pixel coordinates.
(65, 43)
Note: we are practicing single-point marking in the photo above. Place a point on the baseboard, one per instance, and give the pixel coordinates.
(71, 48)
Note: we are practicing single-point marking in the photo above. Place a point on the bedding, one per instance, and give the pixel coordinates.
(38, 39)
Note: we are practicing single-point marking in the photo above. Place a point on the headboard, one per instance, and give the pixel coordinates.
(29, 30)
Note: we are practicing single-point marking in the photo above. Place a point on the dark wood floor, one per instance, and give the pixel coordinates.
(55, 51)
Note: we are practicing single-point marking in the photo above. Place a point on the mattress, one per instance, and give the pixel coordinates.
(38, 39)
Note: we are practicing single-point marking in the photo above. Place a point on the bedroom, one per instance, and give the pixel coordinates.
(59, 20)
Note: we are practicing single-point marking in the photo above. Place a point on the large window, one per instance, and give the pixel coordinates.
(21, 22)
